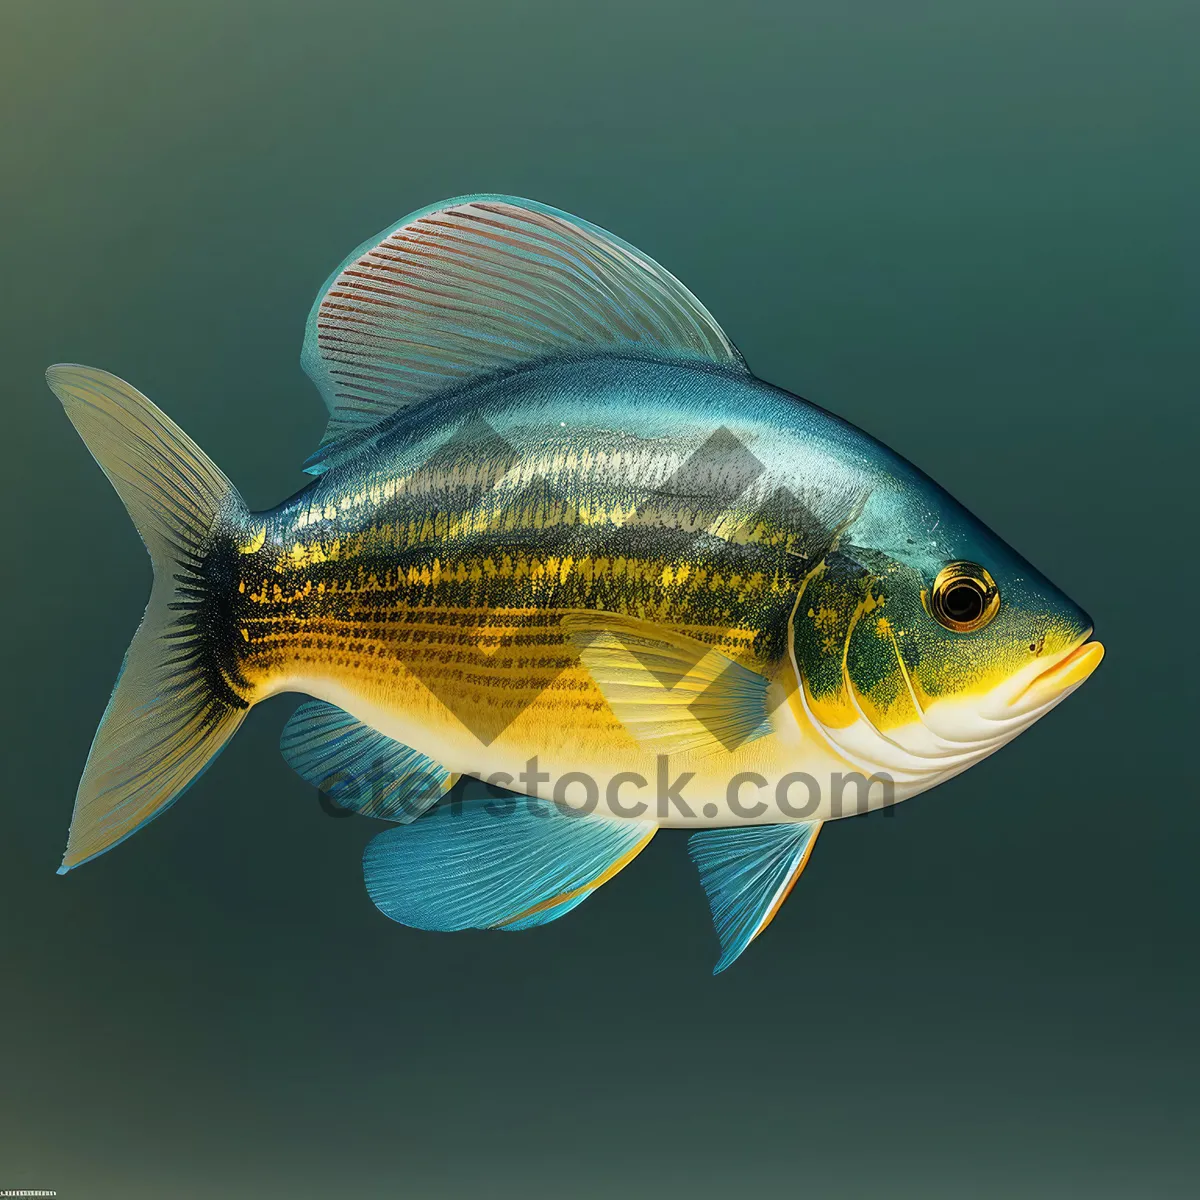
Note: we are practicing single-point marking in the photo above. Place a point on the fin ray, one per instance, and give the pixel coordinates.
(669, 690)
(487, 864)
(747, 874)
(172, 708)
(479, 284)
(358, 768)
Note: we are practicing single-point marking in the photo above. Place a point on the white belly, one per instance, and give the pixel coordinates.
(795, 773)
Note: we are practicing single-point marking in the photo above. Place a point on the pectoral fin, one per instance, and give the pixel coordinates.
(358, 768)
(670, 691)
(509, 864)
(748, 873)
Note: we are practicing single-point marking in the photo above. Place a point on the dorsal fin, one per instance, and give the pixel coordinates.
(480, 284)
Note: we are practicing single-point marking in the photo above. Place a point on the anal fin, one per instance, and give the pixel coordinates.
(747, 873)
(359, 768)
(509, 863)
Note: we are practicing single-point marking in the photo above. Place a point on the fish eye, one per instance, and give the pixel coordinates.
(964, 597)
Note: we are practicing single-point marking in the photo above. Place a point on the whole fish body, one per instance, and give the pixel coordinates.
(561, 540)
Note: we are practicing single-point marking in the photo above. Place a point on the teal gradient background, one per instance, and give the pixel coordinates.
(969, 228)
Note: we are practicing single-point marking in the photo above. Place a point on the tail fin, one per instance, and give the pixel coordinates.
(172, 710)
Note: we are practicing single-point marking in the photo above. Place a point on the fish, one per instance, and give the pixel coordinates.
(560, 540)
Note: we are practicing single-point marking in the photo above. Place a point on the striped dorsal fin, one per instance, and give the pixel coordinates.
(481, 285)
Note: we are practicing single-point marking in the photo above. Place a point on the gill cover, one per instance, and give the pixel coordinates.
(895, 685)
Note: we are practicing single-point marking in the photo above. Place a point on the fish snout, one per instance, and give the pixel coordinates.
(1062, 676)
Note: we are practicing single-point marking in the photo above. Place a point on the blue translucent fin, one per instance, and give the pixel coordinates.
(545, 915)
(747, 874)
(358, 768)
(487, 864)
(669, 691)
(481, 284)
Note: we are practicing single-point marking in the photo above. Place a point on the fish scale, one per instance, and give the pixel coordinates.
(561, 539)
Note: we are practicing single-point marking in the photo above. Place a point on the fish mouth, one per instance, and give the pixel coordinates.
(1065, 674)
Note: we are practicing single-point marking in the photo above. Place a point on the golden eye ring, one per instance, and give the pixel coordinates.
(964, 597)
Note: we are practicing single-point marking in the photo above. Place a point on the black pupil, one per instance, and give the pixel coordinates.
(963, 602)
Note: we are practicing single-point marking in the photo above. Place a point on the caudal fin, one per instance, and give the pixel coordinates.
(172, 709)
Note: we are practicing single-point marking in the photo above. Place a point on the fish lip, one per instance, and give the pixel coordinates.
(1069, 670)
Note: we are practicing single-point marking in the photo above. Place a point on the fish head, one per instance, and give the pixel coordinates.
(924, 652)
